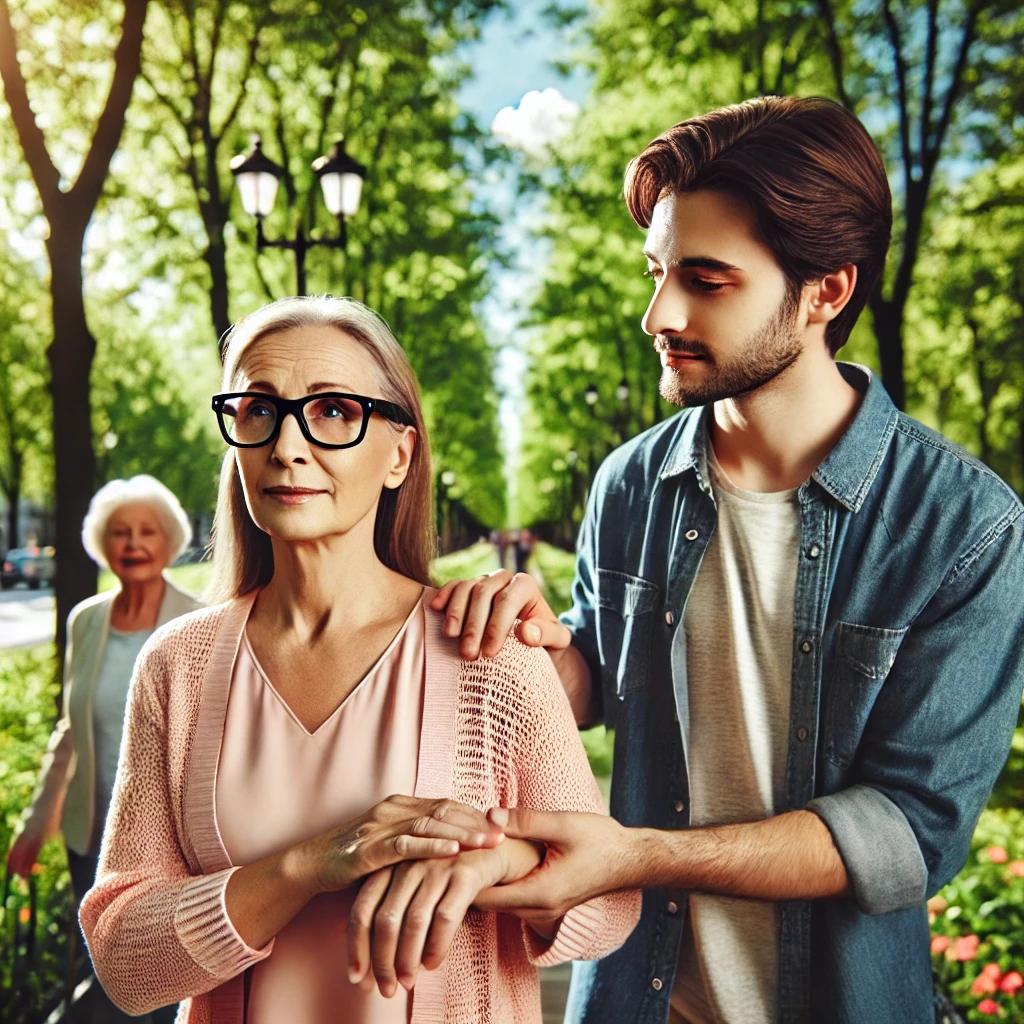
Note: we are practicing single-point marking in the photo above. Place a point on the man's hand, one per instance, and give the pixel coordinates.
(587, 855)
(484, 610)
(407, 915)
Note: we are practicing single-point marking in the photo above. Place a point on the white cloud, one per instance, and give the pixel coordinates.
(542, 118)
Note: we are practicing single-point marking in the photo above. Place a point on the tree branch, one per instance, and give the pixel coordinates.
(33, 143)
(931, 53)
(127, 63)
(901, 86)
(835, 52)
(955, 81)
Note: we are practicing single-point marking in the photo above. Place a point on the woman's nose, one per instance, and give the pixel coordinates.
(290, 445)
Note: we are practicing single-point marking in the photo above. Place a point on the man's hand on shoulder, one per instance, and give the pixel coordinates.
(484, 610)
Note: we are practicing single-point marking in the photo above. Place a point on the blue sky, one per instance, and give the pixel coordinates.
(513, 56)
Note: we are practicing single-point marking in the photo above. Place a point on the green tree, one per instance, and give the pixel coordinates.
(68, 210)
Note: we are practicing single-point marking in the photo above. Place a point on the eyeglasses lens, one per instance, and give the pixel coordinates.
(330, 420)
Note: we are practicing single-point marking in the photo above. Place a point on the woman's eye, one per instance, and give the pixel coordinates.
(256, 410)
(651, 272)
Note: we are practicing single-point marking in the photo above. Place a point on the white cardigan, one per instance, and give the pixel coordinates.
(65, 799)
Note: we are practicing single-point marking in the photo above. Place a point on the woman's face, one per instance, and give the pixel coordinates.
(135, 543)
(294, 490)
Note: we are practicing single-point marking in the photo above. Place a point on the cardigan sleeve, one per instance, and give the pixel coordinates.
(156, 933)
(554, 775)
(44, 811)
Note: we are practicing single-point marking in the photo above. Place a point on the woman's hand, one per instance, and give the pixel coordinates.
(24, 851)
(397, 829)
(407, 916)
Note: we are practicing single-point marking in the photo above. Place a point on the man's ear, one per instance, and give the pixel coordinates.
(827, 298)
(402, 458)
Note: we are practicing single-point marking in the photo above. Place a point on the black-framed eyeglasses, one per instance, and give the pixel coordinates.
(329, 419)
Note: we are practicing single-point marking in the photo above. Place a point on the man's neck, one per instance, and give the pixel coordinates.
(775, 437)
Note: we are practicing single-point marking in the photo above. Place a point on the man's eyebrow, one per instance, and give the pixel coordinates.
(701, 262)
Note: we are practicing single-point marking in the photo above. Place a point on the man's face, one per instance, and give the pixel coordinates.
(721, 318)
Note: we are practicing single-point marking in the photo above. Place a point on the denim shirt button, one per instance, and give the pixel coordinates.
(669, 618)
(692, 534)
(679, 806)
(801, 733)
(656, 984)
(813, 551)
(672, 907)
(807, 647)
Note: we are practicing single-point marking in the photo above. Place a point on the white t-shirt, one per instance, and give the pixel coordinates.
(108, 706)
(738, 628)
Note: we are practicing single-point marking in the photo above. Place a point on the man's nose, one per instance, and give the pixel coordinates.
(290, 445)
(666, 312)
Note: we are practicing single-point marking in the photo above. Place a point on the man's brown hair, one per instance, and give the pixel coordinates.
(808, 170)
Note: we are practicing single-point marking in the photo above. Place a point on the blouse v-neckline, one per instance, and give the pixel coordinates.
(362, 683)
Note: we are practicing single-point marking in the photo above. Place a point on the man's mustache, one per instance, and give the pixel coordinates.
(687, 346)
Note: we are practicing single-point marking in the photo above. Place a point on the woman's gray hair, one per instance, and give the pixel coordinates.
(143, 490)
(404, 532)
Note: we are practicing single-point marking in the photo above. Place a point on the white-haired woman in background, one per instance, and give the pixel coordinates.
(136, 528)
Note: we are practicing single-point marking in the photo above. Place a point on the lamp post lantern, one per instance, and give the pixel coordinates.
(341, 182)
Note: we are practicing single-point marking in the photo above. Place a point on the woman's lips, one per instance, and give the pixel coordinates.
(291, 495)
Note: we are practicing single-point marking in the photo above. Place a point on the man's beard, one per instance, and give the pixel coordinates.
(770, 350)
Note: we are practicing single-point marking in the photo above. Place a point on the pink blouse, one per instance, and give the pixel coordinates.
(278, 784)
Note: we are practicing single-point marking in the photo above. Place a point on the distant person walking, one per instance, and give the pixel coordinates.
(136, 527)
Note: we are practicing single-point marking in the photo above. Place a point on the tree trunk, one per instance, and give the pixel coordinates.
(888, 324)
(214, 218)
(70, 356)
(13, 508)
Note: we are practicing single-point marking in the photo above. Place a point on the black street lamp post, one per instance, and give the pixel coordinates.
(341, 182)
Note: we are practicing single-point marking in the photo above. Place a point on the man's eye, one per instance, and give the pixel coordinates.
(703, 285)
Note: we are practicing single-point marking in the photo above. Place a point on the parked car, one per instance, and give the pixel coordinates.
(35, 567)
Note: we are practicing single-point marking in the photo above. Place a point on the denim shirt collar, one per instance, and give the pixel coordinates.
(848, 470)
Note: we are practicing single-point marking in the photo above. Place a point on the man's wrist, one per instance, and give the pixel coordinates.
(643, 858)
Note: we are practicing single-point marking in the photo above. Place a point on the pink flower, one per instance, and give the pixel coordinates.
(1012, 981)
(940, 943)
(991, 970)
(996, 854)
(989, 1007)
(1016, 867)
(985, 985)
(964, 948)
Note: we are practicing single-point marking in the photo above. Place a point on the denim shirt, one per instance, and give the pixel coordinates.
(906, 683)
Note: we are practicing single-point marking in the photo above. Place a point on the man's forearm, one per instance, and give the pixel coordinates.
(788, 857)
(574, 673)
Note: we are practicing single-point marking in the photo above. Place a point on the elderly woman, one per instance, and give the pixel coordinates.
(136, 528)
(265, 734)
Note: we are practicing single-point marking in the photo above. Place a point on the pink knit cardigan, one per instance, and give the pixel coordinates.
(495, 732)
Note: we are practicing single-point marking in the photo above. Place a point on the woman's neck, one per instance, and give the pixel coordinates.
(330, 583)
(137, 605)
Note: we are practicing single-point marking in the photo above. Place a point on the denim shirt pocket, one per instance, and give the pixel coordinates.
(864, 656)
(626, 605)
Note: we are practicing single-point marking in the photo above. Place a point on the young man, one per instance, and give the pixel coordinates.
(799, 609)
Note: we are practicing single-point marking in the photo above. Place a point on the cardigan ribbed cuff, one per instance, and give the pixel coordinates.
(206, 932)
(574, 939)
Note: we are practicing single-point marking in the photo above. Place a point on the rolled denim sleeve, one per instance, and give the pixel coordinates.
(878, 847)
(581, 618)
(939, 732)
